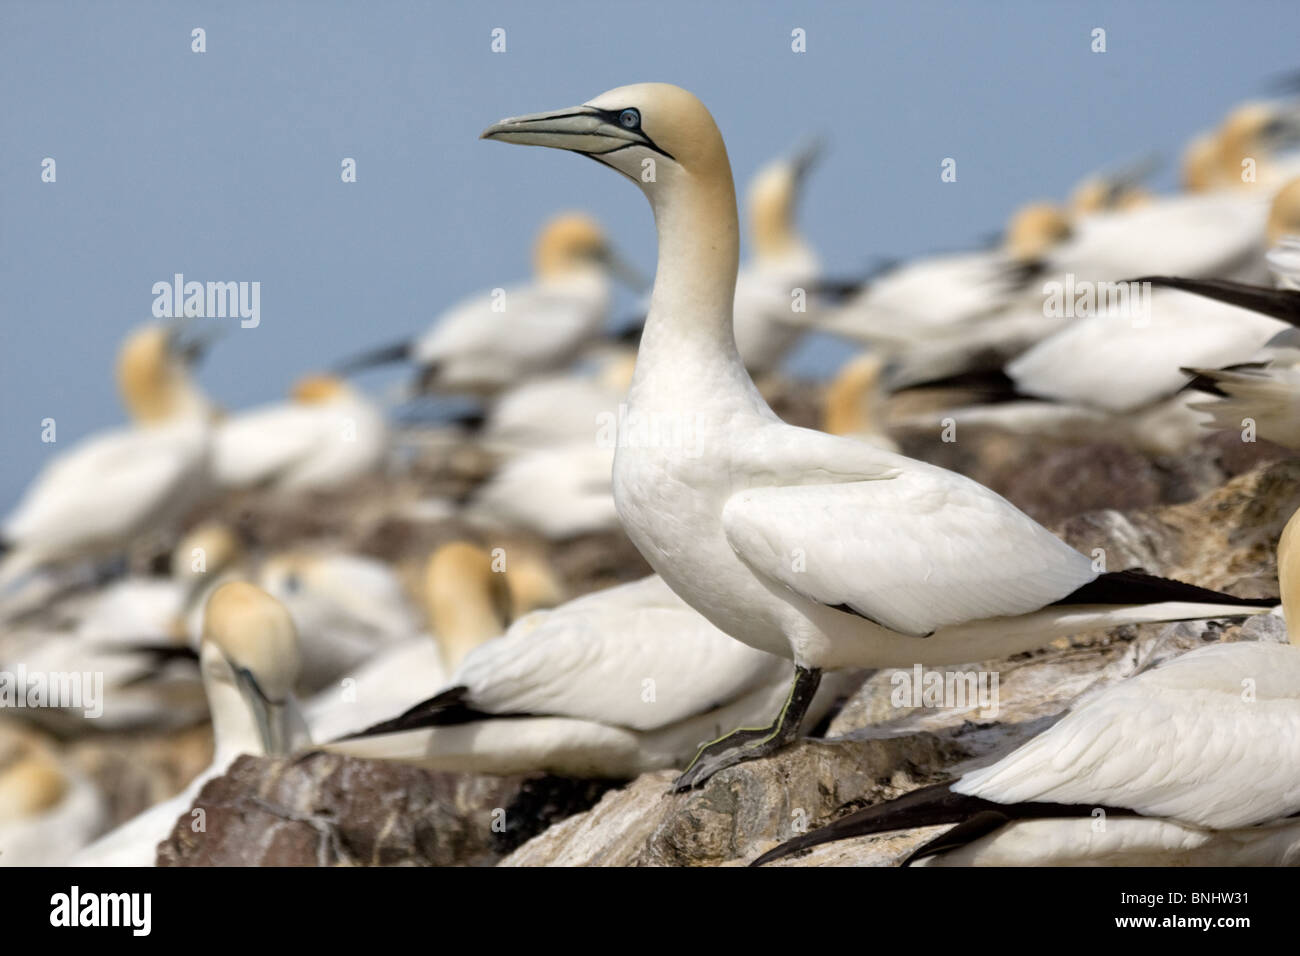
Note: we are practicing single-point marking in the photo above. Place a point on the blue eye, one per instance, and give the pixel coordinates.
(629, 119)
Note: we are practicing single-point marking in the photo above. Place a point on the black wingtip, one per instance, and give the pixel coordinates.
(1281, 304)
(444, 708)
(928, 806)
(1137, 587)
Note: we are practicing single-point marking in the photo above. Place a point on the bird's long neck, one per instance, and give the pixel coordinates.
(234, 728)
(695, 285)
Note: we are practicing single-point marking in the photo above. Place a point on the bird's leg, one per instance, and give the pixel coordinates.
(748, 743)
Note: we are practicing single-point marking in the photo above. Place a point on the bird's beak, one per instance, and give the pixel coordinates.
(582, 129)
(190, 341)
(272, 725)
(806, 157)
(375, 358)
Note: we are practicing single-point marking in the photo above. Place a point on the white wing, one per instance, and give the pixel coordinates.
(915, 550)
(108, 487)
(554, 492)
(634, 656)
(1197, 236)
(550, 411)
(257, 447)
(904, 304)
(1181, 741)
(1120, 362)
(528, 328)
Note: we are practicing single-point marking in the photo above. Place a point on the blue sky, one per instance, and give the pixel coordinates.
(225, 165)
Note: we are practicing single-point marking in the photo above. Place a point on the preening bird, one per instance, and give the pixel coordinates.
(250, 661)
(110, 490)
(1191, 763)
(612, 684)
(495, 340)
(822, 550)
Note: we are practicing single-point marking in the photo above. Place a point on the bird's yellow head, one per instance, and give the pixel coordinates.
(568, 242)
(467, 600)
(654, 133)
(153, 377)
(1284, 214)
(1034, 229)
(318, 389)
(251, 638)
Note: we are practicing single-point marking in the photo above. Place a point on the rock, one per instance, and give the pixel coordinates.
(327, 810)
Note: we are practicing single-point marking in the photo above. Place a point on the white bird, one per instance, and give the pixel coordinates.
(944, 295)
(853, 400)
(612, 684)
(135, 638)
(466, 603)
(820, 549)
(1121, 370)
(495, 340)
(1191, 763)
(250, 664)
(48, 810)
(557, 493)
(782, 262)
(111, 490)
(345, 606)
(326, 438)
(1243, 151)
(559, 409)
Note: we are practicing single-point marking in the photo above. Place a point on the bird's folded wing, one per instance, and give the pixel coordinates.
(257, 447)
(642, 669)
(914, 550)
(1185, 741)
(106, 483)
(517, 324)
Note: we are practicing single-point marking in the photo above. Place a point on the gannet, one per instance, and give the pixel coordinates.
(497, 339)
(817, 548)
(250, 664)
(467, 602)
(325, 438)
(1191, 763)
(1120, 189)
(559, 409)
(557, 493)
(612, 684)
(111, 489)
(782, 262)
(1120, 373)
(1261, 394)
(853, 399)
(135, 638)
(943, 295)
(48, 810)
(1253, 134)
(346, 607)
